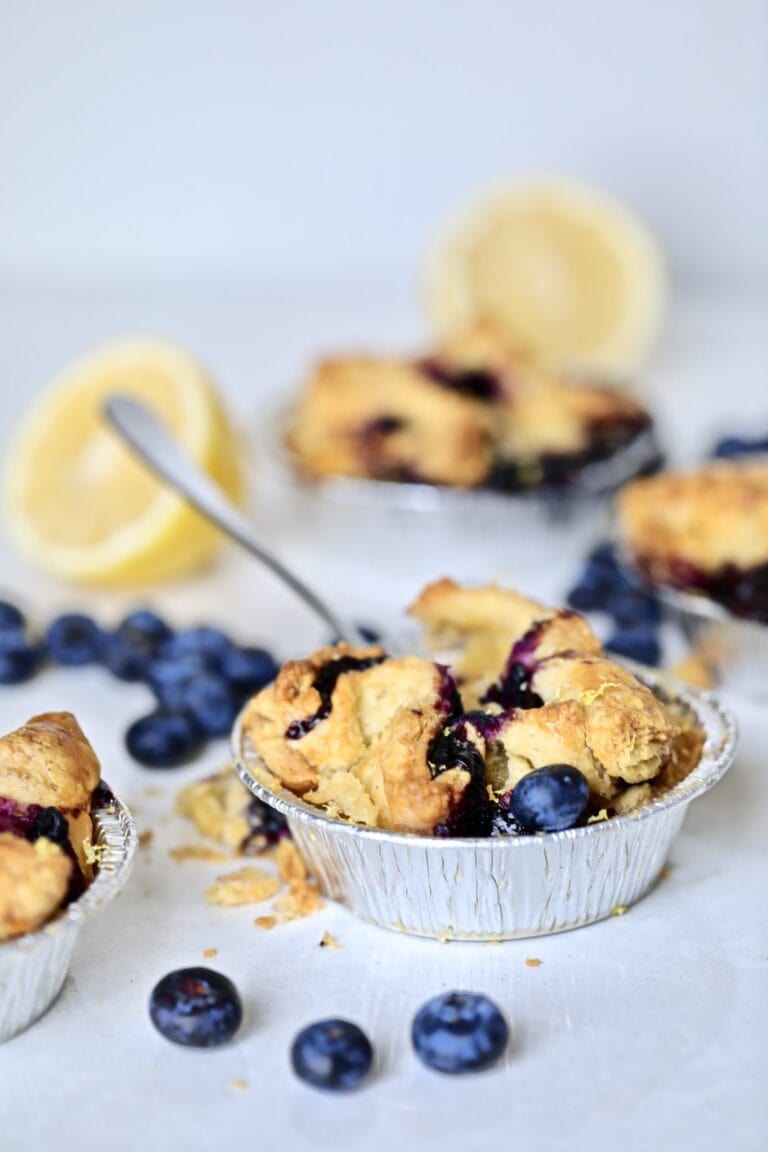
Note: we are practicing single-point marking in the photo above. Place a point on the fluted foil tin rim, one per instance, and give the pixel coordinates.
(33, 967)
(599, 479)
(608, 859)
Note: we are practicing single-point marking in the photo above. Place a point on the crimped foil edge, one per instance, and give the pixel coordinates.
(501, 888)
(33, 967)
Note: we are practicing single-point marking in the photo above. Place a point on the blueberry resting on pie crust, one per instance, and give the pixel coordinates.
(48, 777)
(436, 747)
(703, 532)
(469, 416)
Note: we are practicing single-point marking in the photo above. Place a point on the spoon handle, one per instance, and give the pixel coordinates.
(148, 438)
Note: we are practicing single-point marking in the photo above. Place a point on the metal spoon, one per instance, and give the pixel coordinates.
(155, 447)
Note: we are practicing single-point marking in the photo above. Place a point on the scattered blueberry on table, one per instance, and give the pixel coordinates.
(332, 1054)
(459, 1032)
(550, 799)
(196, 1007)
(199, 677)
(164, 739)
(603, 587)
(735, 447)
(74, 639)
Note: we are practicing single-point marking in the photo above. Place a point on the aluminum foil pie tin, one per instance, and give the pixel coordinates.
(354, 515)
(33, 967)
(507, 887)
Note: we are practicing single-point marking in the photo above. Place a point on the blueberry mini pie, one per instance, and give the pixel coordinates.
(704, 532)
(530, 728)
(468, 416)
(48, 775)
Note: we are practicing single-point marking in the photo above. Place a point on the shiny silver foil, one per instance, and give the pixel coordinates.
(506, 887)
(34, 966)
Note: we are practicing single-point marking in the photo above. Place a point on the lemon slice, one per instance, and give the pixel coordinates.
(557, 270)
(78, 503)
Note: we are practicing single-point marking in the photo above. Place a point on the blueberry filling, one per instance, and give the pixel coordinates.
(477, 383)
(52, 824)
(265, 827)
(324, 684)
(33, 821)
(514, 689)
(742, 591)
(451, 748)
(556, 470)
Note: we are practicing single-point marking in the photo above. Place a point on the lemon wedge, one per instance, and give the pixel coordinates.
(557, 270)
(77, 502)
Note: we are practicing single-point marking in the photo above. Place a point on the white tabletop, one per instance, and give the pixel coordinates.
(645, 1031)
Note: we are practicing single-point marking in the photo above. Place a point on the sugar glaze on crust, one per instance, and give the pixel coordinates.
(410, 745)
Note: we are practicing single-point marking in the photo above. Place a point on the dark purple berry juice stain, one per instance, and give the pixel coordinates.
(514, 690)
(324, 684)
(476, 383)
(473, 814)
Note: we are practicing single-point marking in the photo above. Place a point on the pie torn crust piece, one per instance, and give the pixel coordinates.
(48, 774)
(704, 531)
(469, 415)
(433, 746)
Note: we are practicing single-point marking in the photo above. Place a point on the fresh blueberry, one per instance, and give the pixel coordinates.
(550, 799)
(589, 594)
(248, 670)
(146, 625)
(210, 643)
(127, 655)
(636, 643)
(459, 1032)
(19, 658)
(164, 739)
(74, 639)
(629, 606)
(52, 824)
(11, 619)
(603, 558)
(208, 698)
(166, 674)
(196, 1007)
(733, 447)
(332, 1054)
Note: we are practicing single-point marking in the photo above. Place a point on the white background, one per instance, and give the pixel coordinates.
(258, 181)
(275, 133)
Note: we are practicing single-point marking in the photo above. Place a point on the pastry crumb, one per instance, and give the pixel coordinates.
(290, 863)
(209, 953)
(696, 668)
(197, 852)
(266, 922)
(533, 962)
(301, 899)
(238, 1084)
(620, 909)
(93, 853)
(246, 886)
(146, 837)
(665, 872)
(329, 941)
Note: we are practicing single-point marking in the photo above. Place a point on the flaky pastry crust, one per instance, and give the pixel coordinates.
(715, 516)
(33, 883)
